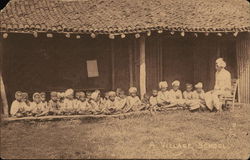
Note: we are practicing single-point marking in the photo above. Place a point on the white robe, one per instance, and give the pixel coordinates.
(222, 87)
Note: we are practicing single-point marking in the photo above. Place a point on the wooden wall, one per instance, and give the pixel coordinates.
(187, 59)
(243, 67)
(45, 64)
(177, 61)
(121, 53)
(153, 62)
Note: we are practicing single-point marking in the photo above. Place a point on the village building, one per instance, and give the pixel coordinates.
(52, 45)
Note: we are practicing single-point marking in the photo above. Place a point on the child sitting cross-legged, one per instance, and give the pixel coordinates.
(69, 102)
(105, 98)
(199, 97)
(44, 104)
(77, 96)
(153, 101)
(176, 95)
(189, 97)
(27, 104)
(133, 101)
(95, 106)
(111, 103)
(145, 102)
(53, 104)
(17, 106)
(61, 99)
(163, 97)
(37, 108)
(121, 100)
(82, 104)
(43, 99)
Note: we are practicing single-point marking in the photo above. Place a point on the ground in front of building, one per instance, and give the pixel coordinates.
(175, 134)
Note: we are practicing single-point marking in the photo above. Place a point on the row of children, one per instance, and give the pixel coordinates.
(65, 103)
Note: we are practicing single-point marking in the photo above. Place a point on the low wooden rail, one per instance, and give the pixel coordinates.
(73, 117)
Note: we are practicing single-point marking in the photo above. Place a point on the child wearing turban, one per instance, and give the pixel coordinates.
(37, 108)
(81, 103)
(133, 101)
(95, 103)
(163, 97)
(199, 97)
(176, 95)
(69, 103)
(111, 103)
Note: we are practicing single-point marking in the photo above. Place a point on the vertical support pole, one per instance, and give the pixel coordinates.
(131, 77)
(2, 87)
(142, 66)
(160, 59)
(218, 53)
(113, 64)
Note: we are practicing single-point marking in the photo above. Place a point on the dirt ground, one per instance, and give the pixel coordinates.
(175, 134)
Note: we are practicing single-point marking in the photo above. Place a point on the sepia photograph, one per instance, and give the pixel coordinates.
(125, 79)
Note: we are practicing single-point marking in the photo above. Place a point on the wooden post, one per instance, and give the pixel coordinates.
(2, 87)
(142, 66)
(131, 78)
(160, 72)
(113, 64)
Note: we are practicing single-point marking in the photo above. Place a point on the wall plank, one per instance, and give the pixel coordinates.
(243, 67)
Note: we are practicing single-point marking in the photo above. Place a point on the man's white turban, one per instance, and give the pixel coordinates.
(220, 62)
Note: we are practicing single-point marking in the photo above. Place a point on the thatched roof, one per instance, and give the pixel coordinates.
(125, 16)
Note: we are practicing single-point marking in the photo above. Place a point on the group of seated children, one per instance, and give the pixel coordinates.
(68, 103)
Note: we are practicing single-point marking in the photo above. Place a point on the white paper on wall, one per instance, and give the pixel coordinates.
(92, 68)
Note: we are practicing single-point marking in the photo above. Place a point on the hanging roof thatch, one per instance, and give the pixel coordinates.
(125, 16)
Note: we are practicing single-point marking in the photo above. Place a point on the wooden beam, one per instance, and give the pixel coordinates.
(142, 66)
(130, 52)
(113, 64)
(160, 72)
(2, 87)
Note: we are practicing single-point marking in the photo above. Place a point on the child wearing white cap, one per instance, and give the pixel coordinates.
(163, 97)
(17, 106)
(69, 102)
(81, 103)
(95, 103)
(199, 97)
(37, 108)
(133, 101)
(111, 103)
(176, 95)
